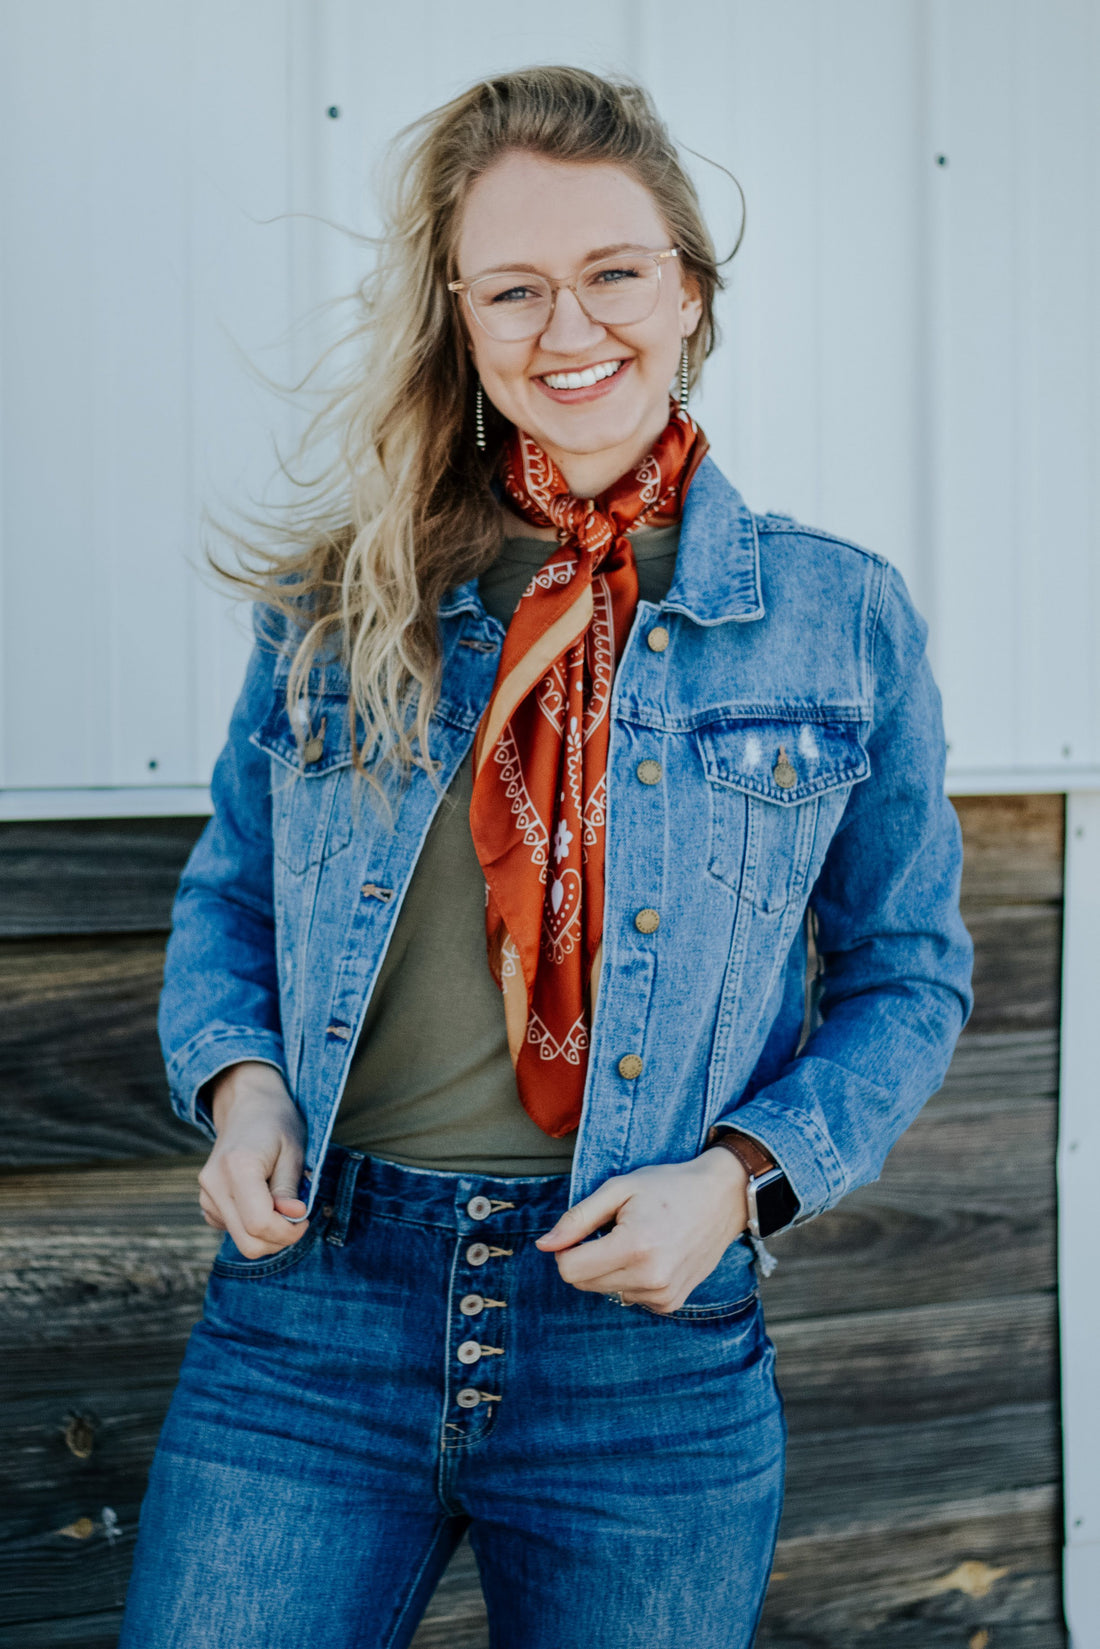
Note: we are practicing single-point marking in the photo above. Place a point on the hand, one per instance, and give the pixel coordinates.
(248, 1185)
(673, 1223)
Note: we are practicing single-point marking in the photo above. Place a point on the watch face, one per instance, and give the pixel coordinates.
(776, 1203)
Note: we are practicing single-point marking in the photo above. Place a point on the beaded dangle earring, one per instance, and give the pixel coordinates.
(479, 418)
(683, 372)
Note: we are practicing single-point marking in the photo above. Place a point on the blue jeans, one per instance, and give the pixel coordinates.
(414, 1367)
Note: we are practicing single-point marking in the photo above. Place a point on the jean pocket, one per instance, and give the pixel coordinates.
(725, 1312)
(230, 1262)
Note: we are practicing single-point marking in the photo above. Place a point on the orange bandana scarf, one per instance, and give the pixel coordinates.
(538, 813)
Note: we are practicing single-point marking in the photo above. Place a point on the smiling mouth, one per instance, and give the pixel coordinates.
(584, 379)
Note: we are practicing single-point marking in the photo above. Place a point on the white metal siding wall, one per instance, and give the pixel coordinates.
(910, 357)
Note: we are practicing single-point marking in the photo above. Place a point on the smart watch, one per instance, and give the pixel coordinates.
(772, 1202)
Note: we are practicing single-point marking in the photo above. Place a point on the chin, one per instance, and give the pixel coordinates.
(588, 436)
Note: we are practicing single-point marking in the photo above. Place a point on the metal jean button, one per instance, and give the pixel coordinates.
(479, 1208)
(468, 1398)
(469, 1352)
(477, 1253)
(471, 1304)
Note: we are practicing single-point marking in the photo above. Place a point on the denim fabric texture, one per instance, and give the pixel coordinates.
(784, 750)
(415, 1367)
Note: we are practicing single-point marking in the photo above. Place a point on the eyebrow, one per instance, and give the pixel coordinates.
(589, 257)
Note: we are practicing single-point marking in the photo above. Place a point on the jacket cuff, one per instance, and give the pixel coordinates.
(210, 1052)
(797, 1145)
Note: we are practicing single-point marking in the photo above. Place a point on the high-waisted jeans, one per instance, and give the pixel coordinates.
(414, 1367)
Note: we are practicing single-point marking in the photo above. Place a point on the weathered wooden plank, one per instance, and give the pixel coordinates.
(69, 1420)
(83, 1080)
(953, 1217)
(98, 1631)
(916, 1587)
(1017, 966)
(80, 1065)
(939, 1581)
(455, 1618)
(915, 1364)
(877, 1477)
(120, 875)
(91, 875)
(88, 1249)
(1011, 1064)
(107, 1262)
(1013, 848)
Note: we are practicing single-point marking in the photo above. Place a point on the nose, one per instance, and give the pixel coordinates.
(569, 328)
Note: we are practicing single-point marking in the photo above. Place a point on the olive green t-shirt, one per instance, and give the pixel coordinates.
(431, 1083)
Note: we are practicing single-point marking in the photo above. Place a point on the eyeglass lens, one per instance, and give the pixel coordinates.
(617, 291)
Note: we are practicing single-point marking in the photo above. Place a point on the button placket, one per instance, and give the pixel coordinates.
(474, 1356)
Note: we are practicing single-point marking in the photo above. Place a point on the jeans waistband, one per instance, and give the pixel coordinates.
(464, 1203)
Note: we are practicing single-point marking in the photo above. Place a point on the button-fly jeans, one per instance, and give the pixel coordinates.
(414, 1368)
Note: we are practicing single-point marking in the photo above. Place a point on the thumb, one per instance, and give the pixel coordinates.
(586, 1216)
(284, 1182)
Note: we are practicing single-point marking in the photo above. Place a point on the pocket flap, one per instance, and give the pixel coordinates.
(780, 760)
(327, 739)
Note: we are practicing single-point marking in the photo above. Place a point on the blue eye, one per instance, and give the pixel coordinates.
(514, 294)
(613, 277)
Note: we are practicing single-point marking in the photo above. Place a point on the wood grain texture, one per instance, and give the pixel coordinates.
(1017, 966)
(81, 1069)
(91, 875)
(914, 1323)
(1013, 848)
(83, 1078)
(936, 1581)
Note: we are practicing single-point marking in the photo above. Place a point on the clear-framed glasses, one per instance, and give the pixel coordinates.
(513, 304)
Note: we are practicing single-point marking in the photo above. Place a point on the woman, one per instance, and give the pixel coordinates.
(487, 974)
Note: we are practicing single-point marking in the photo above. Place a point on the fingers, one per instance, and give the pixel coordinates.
(210, 1212)
(588, 1215)
(234, 1190)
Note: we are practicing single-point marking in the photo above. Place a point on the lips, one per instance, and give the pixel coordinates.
(586, 384)
(584, 378)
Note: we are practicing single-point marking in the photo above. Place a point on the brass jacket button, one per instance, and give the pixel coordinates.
(657, 639)
(783, 773)
(649, 772)
(314, 748)
(647, 921)
(630, 1066)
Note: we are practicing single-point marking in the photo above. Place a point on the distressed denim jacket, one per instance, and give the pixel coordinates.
(783, 751)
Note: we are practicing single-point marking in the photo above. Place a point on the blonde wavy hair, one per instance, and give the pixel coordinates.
(359, 562)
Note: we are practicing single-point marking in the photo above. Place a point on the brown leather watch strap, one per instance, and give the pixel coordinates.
(749, 1152)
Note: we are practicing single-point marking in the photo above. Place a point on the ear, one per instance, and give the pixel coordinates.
(691, 304)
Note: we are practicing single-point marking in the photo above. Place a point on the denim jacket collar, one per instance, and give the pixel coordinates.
(717, 566)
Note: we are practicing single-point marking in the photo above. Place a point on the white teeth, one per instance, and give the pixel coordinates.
(581, 380)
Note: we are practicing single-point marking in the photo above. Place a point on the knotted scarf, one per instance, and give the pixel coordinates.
(538, 814)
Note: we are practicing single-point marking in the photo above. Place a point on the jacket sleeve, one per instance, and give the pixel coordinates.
(896, 956)
(220, 1001)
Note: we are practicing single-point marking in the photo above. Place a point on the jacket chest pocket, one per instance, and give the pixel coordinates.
(311, 808)
(776, 790)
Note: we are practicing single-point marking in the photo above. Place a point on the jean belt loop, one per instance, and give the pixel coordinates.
(343, 1196)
